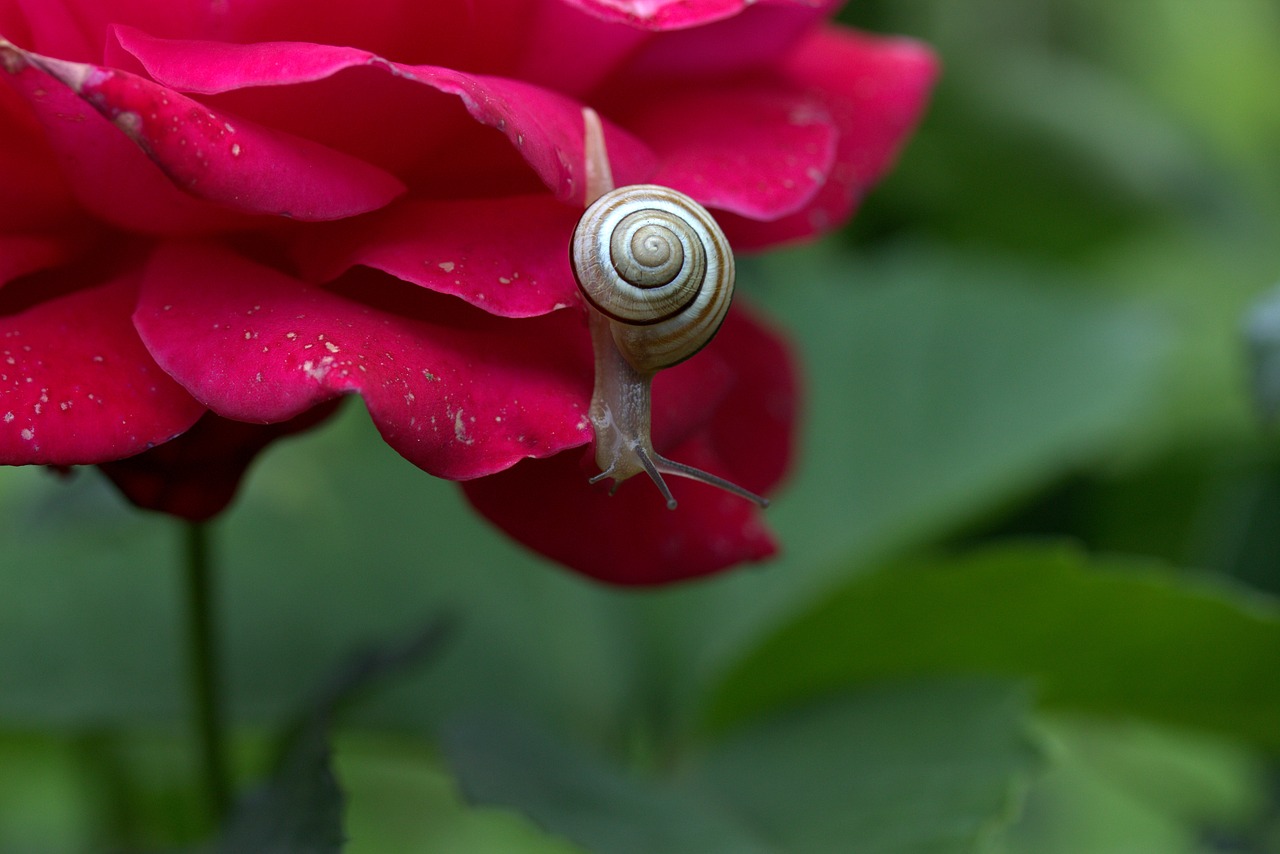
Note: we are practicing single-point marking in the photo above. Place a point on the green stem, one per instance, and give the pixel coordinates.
(204, 672)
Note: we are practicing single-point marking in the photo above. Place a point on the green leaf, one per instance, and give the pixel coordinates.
(921, 767)
(1175, 50)
(335, 540)
(1104, 635)
(1262, 334)
(401, 797)
(561, 786)
(1119, 787)
(301, 807)
(976, 377)
(44, 803)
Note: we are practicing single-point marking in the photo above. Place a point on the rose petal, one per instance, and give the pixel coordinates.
(739, 46)
(730, 410)
(13, 23)
(424, 136)
(450, 248)
(629, 538)
(109, 175)
(666, 14)
(77, 386)
(486, 35)
(35, 194)
(572, 52)
(758, 151)
(741, 394)
(212, 67)
(876, 89)
(23, 254)
(544, 127)
(480, 34)
(196, 475)
(243, 166)
(458, 393)
(77, 29)
(54, 27)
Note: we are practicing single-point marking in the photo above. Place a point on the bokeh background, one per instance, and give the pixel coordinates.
(1032, 544)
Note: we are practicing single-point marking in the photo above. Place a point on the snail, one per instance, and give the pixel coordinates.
(656, 272)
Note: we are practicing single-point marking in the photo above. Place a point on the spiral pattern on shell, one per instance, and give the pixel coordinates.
(655, 262)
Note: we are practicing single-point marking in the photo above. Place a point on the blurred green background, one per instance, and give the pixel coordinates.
(1031, 548)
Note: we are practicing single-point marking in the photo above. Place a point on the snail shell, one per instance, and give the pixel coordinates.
(655, 263)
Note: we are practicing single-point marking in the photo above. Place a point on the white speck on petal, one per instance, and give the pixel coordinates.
(460, 430)
(319, 371)
(447, 266)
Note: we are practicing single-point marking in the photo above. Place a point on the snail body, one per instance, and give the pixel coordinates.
(657, 274)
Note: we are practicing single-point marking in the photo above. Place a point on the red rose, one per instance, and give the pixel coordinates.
(231, 213)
